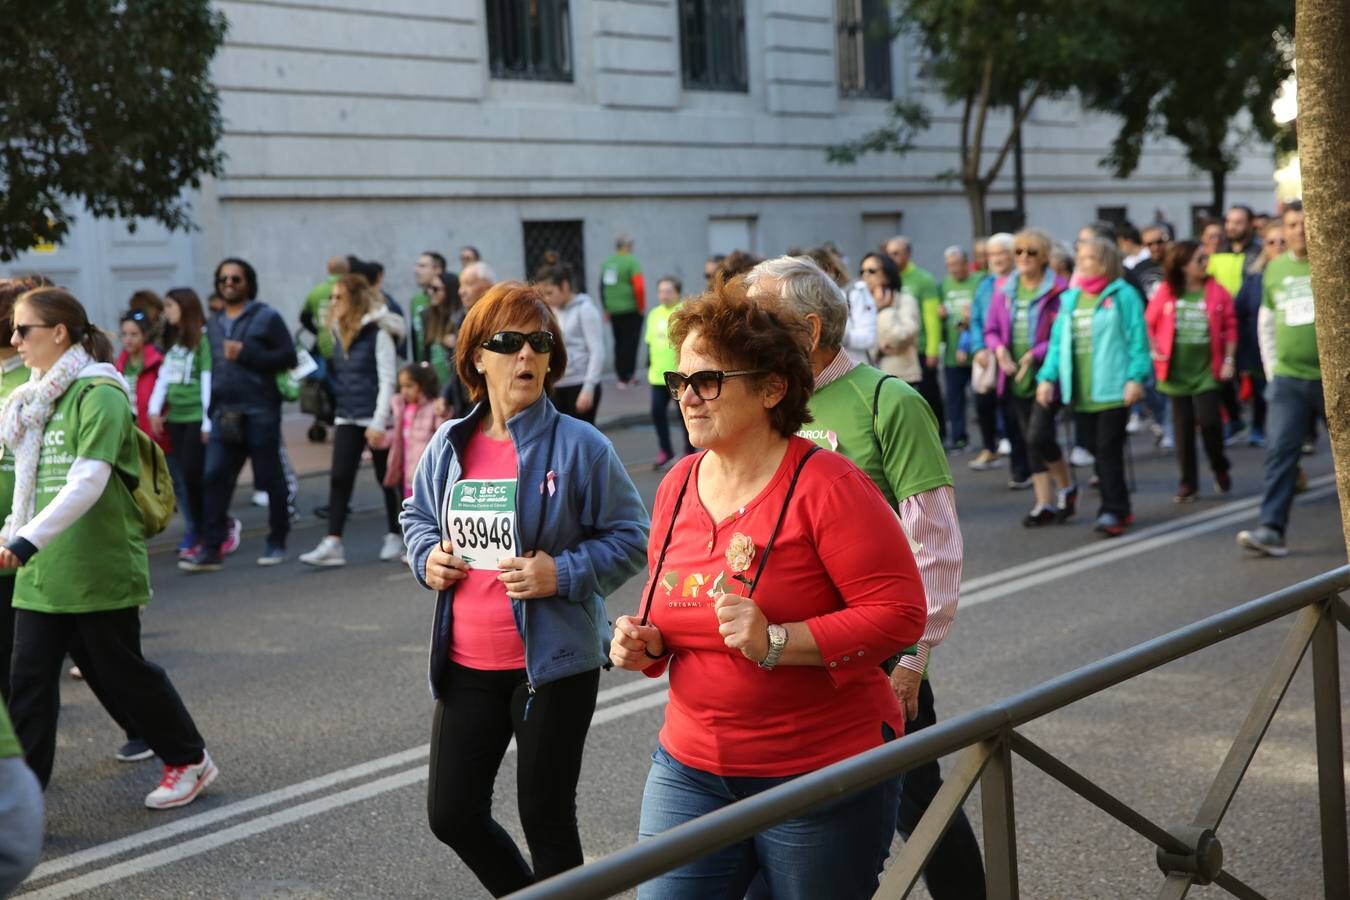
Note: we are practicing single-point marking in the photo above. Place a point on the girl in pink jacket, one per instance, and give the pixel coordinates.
(414, 422)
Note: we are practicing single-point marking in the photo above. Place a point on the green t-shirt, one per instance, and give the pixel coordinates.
(904, 455)
(183, 369)
(923, 287)
(419, 302)
(1081, 335)
(316, 304)
(9, 742)
(1287, 289)
(957, 297)
(1190, 371)
(98, 564)
(662, 354)
(1022, 338)
(616, 283)
(9, 380)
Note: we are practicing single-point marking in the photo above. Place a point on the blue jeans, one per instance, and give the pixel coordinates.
(1292, 406)
(20, 823)
(261, 446)
(958, 379)
(837, 851)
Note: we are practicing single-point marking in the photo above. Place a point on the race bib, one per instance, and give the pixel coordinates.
(176, 368)
(480, 522)
(610, 277)
(1298, 310)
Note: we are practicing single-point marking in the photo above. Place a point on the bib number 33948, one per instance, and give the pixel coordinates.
(480, 522)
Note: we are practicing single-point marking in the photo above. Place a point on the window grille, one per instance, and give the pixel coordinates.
(712, 45)
(530, 39)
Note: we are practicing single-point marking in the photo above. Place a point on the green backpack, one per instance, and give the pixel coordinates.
(153, 490)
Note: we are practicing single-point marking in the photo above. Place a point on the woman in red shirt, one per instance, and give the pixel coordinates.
(782, 583)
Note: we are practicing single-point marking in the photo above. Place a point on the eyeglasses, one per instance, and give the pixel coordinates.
(512, 341)
(1027, 251)
(230, 279)
(22, 330)
(707, 384)
(1200, 259)
(435, 290)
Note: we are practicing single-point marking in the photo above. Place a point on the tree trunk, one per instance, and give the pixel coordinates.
(1218, 179)
(976, 194)
(1322, 29)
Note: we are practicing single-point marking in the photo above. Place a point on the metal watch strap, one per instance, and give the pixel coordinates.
(777, 641)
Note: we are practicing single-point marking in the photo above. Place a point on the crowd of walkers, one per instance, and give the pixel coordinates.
(819, 412)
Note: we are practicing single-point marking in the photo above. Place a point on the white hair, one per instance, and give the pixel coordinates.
(955, 250)
(904, 241)
(1000, 241)
(804, 286)
(482, 270)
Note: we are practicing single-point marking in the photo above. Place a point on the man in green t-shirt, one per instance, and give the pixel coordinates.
(1289, 350)
(429, 265)
(923, 287)
(958, 296)
(623, 296)
(889, 431)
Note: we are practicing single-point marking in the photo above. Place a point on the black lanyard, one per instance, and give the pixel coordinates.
(764, 558)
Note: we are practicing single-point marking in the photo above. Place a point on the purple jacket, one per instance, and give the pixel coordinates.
(1044, 309)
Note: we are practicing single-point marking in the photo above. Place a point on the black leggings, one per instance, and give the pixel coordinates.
(1038, 427)
(190, 453)
(476, 716)
(112, 656)
(1203, 410)
(348, 443)
(660, 406)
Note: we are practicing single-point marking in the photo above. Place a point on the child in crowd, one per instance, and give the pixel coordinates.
(414, 422)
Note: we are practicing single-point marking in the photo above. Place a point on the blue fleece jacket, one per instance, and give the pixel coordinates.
(1120, 351)
(249, 383)
(594, 526)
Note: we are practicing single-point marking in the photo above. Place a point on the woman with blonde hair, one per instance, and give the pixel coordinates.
(364, 369)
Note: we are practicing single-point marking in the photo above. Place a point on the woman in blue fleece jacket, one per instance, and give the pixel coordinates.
(522, 520)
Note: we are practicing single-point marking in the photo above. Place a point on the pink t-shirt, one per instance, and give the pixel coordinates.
(483, 634)
(409, 466)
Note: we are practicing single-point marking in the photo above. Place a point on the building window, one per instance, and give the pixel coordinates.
(530, 39)
(1004, 220)
(550, 243)
(864, 47)
(1201, 215)
(712, 44)
(1116, 215)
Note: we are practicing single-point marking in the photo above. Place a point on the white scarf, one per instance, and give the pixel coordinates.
(23, 419)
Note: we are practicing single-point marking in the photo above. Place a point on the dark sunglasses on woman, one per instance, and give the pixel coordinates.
(707, 384)
(512, 341)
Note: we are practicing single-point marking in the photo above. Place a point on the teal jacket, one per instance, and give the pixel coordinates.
(1119, 344)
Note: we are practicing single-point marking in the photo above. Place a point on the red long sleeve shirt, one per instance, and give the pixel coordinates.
(841, 564)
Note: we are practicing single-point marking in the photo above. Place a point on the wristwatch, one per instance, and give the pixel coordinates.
(778, 636)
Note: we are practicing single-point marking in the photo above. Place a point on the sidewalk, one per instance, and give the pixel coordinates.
(618, 409)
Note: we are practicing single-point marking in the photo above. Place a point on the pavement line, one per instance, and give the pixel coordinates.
(253, 827)
(1174, 526)
(81, 858)
(1119, 551)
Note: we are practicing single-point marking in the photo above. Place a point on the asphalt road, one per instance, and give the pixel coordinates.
(310, 688)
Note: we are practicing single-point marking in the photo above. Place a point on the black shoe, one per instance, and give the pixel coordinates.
(1042, 515)
(203, 560)
(1068, 504)
(134, 750)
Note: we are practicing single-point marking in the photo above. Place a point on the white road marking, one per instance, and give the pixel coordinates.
(975, 591)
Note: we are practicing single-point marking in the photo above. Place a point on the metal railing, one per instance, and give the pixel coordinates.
(1187, 855)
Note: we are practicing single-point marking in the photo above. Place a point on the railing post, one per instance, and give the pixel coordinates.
(1000, 826)
(1330, 755)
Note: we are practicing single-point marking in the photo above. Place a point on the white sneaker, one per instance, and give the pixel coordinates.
(392, 548)
(1135, 424)
(1005, 447)
(328, 553)
(260, 499)
(180, 785)
(1079, 458)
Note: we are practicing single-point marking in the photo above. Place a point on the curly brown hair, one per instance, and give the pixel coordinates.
(505, 304)
(760, 333)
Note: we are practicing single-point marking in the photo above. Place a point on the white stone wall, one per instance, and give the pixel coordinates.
(373, 127)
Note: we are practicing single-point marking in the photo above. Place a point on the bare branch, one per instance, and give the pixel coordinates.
(1022, 115)
(981, 115)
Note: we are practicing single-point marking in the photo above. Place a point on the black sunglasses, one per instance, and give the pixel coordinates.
(1027, 251)
(230, 279)
(869, 271)
(512, 341)
(707, 384)
(24, 329)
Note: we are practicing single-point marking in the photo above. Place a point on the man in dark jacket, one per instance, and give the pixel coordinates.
(250, 346)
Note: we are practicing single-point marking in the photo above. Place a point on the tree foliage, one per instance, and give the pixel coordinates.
(109, 102)
(1205, 74)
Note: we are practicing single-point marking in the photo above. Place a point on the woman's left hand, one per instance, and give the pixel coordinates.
(529, 577)
(743, 627)
(1134, 392)
(1227, 371)
(8, 560)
